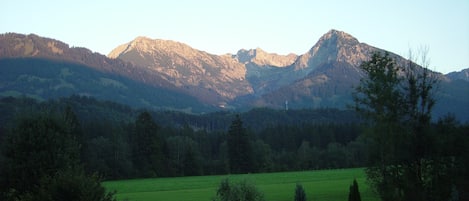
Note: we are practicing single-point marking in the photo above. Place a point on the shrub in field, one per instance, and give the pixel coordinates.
(300, 194)
(241, 191)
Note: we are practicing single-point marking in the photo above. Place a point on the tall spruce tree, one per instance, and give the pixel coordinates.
(300, 194)
(240, 152)
(146, 146)
(354, 193)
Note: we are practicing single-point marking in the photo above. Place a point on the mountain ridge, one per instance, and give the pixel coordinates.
(203, 75)
(322, 77)
(459, 75)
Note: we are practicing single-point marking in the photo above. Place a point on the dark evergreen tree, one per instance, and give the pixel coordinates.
(191, 164)
(354, 193)
(74, 126)
(239, 148)
(41, 160)
(76, 131)
(36, 147)
(300, 194)
(72, 185)
(146, 146)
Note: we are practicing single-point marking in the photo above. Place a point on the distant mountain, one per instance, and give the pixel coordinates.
(322, 77)
(211, 78)
(459, 75)
(45, 68)
(326, 76)
(168, 74)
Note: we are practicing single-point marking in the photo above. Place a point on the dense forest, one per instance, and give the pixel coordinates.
(117, 141)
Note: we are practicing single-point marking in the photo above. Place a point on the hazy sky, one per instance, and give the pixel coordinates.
(221, 27)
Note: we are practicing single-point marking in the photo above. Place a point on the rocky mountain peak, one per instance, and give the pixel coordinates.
(12, 44)
(202, 74)
(334, 46)
(459, 75)
(339, 37)
(145, 45)
(262, 58)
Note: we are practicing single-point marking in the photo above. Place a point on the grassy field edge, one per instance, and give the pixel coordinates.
(321, 185)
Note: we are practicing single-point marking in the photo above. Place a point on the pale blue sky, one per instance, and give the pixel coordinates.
(220, 27)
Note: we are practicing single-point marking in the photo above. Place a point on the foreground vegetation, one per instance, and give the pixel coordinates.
(409, 158)
(321, 185)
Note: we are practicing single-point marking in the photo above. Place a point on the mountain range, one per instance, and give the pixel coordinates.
(164, 74)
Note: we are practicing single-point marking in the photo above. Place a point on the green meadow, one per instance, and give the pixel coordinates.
(320, 185)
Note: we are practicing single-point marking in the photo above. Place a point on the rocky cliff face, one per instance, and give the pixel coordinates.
(334, 46)
(215, 79)
(460, 75)
(335, 58)
(261, 58)
(15, 45)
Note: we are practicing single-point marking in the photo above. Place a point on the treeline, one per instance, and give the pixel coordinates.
(182, 144)
(120, 142)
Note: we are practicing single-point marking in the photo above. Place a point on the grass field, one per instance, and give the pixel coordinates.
(321, 185)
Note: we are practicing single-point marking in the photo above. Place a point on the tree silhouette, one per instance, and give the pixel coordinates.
(354, 193)
(41, 162)
(239, 148)
(146, 146)
(398, 101)
(300, 194)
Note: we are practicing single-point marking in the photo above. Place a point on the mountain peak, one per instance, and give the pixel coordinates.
(145, 44)
(207, 76)
(339, 36)
(334, 46)
(459, 75)
(263, 58)
(30, 45)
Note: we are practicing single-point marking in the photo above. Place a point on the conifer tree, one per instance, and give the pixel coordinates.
(239, 148)
(300, 194)
(146, 146)
(354, 194)
(41, 162)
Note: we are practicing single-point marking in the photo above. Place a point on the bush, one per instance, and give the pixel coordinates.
(241, 191)
(300, 194)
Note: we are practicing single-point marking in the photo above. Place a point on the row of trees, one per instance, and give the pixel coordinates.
(247, 191)
(166, 151)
